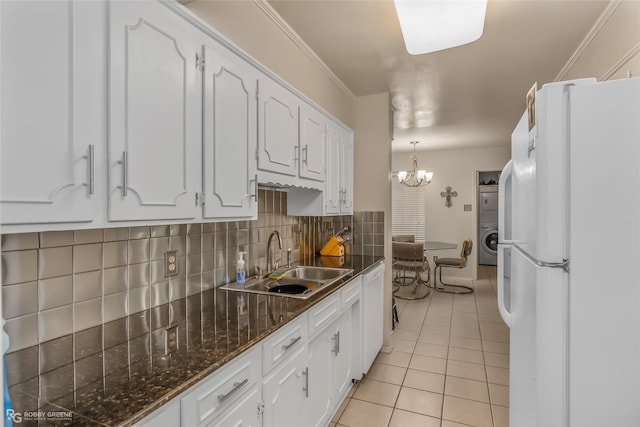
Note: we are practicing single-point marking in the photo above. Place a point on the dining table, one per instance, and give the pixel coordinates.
(436, 246)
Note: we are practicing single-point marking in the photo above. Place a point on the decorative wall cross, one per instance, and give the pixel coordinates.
(448, 194)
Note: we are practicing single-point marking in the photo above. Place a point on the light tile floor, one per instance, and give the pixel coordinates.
(449, 366)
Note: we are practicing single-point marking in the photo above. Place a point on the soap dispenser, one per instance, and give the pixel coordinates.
(240, 270)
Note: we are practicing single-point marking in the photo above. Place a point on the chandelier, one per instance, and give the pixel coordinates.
(416, 177)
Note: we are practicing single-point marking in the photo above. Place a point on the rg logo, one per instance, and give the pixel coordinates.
(16, 417)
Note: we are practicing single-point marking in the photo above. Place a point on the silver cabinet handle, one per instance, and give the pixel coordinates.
(306, 381)
(91, 160)
(291, 343)
(255, 193)
(305, 151)
(125, 178)
(337, 342)
(236, 387)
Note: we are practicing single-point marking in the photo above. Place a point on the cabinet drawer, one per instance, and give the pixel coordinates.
(323, 314)
(283, 343)
(218, 391)
(351, 293)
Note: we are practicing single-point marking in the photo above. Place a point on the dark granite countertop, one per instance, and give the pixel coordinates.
(118, 373)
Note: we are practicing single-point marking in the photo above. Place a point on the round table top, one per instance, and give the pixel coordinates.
(435, 246)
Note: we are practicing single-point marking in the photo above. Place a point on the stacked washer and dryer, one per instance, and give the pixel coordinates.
(488, 217)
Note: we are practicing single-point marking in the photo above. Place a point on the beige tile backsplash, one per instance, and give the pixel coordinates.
(57, 283)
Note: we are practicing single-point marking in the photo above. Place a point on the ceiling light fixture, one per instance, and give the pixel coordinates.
(432, 25)
(416, 177)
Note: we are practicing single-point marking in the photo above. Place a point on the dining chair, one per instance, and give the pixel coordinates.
(408, 257)
(460, 263)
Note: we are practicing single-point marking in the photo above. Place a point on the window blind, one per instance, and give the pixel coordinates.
(408, 210)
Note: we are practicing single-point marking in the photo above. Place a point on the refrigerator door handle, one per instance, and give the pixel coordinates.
(502, 308)
(502, 189)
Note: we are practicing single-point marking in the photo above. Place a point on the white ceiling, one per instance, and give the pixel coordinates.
(468, 96)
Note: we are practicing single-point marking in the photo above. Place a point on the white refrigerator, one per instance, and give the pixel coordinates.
(569, 257)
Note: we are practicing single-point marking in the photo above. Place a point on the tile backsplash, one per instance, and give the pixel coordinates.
(61, 282)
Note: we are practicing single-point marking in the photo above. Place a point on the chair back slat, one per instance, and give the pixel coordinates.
(407, 250)
(403, 238)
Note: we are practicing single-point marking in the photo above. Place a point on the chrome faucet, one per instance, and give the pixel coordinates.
(271, 267)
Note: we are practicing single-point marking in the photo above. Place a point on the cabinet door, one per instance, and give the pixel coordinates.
(321, 355)
(343, 369)
(230, 120)
(154, 114)
(244, 413)
(372, 311)
(346, 172)
(313, 133)
(52, 110)
(277, 129)
(332, 188)
(168, 414)
(285, 393)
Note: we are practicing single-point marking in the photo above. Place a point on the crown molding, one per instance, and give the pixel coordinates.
(271, 13)
(622, 62)
(593, 32)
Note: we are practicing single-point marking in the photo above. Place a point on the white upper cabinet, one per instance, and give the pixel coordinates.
(337, 195)
(346, 171)
(333, 188)
(230, 135)
(155, 103)
(277, 129)
(52, 109)
(313, 134)
(134, 111)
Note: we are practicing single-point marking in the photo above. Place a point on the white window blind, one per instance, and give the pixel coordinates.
(408, 210)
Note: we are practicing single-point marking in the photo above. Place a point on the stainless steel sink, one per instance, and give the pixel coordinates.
(298, 282)
(317, 273)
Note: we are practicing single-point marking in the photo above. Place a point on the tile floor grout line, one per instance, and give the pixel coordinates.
(478, 300)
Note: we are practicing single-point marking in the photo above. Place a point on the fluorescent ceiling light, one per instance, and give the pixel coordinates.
(432, 25)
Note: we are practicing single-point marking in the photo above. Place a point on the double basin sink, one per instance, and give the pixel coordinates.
(298, 282)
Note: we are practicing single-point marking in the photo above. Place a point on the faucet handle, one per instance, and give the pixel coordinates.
(276, 264)
(258, 270)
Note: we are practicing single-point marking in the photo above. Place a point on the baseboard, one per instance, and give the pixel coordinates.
(458, 280)
(386, 349)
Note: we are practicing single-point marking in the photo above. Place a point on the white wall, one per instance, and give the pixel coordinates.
(457, 168)
(372, 182)
(611, 50)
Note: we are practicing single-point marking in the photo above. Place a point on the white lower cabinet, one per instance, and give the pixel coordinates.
(244, 413)
(372, 315)
(167, 415)
(285, 392)
(224, 391)
(296, 377)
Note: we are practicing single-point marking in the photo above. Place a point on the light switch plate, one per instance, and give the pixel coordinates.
(170, 339)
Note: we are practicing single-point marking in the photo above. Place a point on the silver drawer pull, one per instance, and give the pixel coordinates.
(293, 341)
(306, 381)
(236, 387)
